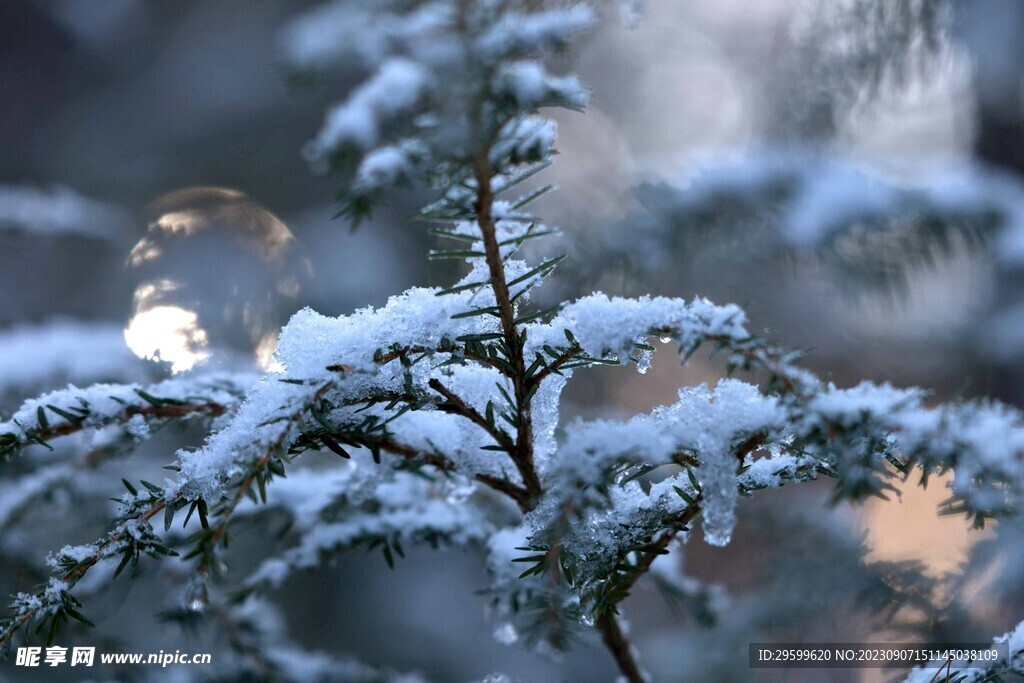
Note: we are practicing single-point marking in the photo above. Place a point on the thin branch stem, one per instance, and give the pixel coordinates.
(620, 648)
(556, 364)
(516, 493)
(458, 406)
(162, 412)
(611, 633)
(258, 469)
(522, 454)
(75, 575)
(386, 358)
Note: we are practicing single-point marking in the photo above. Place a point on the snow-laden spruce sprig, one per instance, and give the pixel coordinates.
(131, 537)
(73, 410)
(59, 350)
(57, 211)
(254, 446)
(385, 507)
(462, 385)
(595, 514)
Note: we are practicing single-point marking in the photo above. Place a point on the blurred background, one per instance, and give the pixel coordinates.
(847, 170)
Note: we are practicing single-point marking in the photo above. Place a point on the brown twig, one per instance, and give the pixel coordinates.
(76, 574)
(163, 412)
(259, 467)
(620, 648)
(459, 407)
(522, 454)
(556, 364)
(516, 493)
(611, 633)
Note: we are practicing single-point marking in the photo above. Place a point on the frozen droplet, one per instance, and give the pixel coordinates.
(458, 492)
(718, 481)
(197, 594)
(643, 363)
(545, 417)
(137, 427)
(717, 537)
(506, 634)
(587, 619)
(665, 339)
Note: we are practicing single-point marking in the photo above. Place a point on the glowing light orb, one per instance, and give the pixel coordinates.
(169, 334)
(217, 275)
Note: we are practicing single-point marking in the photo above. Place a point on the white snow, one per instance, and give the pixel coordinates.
(530, 84)
(64, 350)
(609, 327)
(392, 92)
(332, 510)
(107, 404)
(57, 211)
(516, 33)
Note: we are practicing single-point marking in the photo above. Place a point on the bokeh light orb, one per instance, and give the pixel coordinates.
(215, 276)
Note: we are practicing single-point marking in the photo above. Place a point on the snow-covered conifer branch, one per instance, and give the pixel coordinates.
(618, 329)
(72, 410)
(59, 211)
(363, 506)
(861, 437)
(437, 412)
(871, 229)
(131, 537)
(61, 350)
